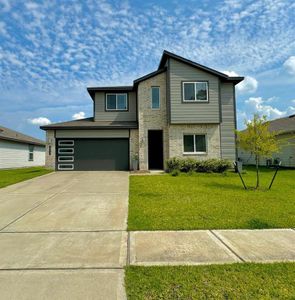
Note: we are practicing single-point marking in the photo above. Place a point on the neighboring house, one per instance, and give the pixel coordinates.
(182, 109)
(285, 127)
(19, 150)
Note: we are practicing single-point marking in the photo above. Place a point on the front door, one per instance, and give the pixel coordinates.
(155, 149)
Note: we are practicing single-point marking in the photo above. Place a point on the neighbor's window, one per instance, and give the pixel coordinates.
(31, 152)
(195, 91)
(194, 143)
(155, 97)
(116, 102)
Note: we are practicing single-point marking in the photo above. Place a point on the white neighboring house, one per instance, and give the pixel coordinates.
(286, 137)
(18, 150)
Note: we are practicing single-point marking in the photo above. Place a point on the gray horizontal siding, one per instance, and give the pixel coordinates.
(193, 113)
(227, 126)
(116, 133)
(101, 115)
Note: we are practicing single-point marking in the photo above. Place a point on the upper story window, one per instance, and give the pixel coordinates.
(116, 102)
(195, 91)
(31, 152)
(155, 97)
(194, 143)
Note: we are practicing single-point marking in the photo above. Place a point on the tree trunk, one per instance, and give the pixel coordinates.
(257, 171)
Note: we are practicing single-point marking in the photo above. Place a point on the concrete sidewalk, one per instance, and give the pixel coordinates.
(147, 248)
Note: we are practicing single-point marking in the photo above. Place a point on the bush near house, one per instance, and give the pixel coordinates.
(187, 165)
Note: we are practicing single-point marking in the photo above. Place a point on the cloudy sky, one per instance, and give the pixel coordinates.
(50, 51)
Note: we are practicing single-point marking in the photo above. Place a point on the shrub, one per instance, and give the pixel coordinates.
(175, 172)
(189, 165)
(173, 164)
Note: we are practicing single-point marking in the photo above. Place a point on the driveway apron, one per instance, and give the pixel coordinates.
(63, 236)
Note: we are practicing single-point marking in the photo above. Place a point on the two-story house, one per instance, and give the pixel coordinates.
(183, 109)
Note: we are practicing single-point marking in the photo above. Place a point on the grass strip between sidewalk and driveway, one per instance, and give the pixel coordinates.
(211, 201)
(11, 176)
(236, 281)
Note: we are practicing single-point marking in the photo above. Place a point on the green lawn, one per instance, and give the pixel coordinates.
(211, 201)
(8, 177)
(236, 281)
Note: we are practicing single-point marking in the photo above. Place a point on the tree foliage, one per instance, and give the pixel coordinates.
(258, 140)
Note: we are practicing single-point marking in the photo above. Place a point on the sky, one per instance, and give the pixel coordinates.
(50, 51)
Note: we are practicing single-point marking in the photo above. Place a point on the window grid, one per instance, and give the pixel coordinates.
(195, 144)
(116, 108)
(195, 83)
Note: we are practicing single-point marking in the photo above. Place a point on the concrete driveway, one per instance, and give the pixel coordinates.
(63, 236)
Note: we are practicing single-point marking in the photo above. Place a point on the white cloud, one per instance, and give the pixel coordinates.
(261, 106)
(79, 115)
(39, 121)
(248, 85)
(289, 65)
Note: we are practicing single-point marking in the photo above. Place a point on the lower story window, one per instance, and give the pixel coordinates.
(194, 143)
(31, 152)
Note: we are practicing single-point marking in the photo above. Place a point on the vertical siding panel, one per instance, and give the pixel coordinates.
(227, 126)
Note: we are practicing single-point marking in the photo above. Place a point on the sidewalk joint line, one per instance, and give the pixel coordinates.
(64, 231)
(227, 246)
(128, 249)
(62, 269)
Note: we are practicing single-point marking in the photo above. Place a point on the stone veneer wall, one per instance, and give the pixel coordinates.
(50, 141)
(212, 132)
(133, 145)
(151, 119)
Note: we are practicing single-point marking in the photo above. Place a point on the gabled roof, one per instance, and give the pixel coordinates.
(166, 54)
(150, 75)
(162, 68)
(92, 90)
(89, 123)
(15, 136)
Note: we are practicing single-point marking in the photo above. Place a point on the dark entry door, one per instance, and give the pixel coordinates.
(155, 149)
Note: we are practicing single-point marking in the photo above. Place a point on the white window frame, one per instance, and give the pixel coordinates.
(155, 108)
(69, 159)
(31, 152)
(66, 143)
(195, 100)
(60, 151)
(116, 109)
(60, 167)
(194, 139)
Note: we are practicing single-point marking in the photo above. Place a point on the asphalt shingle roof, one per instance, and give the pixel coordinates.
(11, 135)
(89, 123)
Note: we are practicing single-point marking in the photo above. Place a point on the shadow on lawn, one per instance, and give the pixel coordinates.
(228, 186)
(259, 224)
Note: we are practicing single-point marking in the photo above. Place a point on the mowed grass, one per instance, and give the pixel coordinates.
(8, 177)
(237, 281)
(211, 201)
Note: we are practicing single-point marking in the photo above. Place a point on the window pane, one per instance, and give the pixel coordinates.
(188, 142)
(200, 143)
(155, 97)
(111, 101)
(201, 91)
(122, 102)
(189, 91)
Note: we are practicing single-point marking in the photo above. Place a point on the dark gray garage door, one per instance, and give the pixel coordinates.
(93, 154)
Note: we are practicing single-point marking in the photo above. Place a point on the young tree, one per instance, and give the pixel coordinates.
(258, 140)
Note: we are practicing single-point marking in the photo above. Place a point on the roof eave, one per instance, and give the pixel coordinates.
(22, 142)
(149, 75)
(93, 90)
